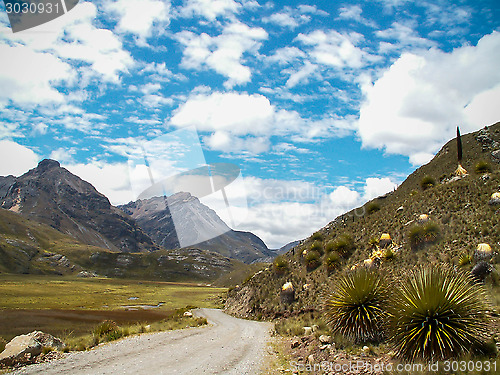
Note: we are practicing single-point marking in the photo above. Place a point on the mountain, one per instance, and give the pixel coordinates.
(52, 195)
(194, 223)
(459, 217)
(29, 247)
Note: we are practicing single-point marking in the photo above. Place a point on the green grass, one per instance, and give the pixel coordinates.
(71, 306)
(52, 292)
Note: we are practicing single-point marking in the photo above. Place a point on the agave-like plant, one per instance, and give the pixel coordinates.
(439, 313)
(357, 306)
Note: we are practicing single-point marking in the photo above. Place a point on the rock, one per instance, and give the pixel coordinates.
(188, 314)
(315, 327)
(323, 347)
(295, 343)
(400, 208)
(24, 348)
(422, 219)
(307, 331)
(496, 155)
(494, 199)
(324, 339)
(310, 359)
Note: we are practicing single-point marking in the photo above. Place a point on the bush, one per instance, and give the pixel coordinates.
(105, 328)
(438, 313)
(333, 261)
(483, 167)
(427, 182)
(423, 234)
(357, 307)
(344, 244)
(280, 265)
(312, 259)
(317, 246)
(317, 236)
(372, 207)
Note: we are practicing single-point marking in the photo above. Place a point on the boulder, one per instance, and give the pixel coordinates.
(496, 155)
(324, 339)
(188, 314)
(25, 348)
(494, 199)
(308, 331)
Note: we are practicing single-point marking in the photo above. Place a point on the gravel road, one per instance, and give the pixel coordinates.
(228, 346)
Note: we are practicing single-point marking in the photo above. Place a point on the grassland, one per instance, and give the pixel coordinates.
(71, 307)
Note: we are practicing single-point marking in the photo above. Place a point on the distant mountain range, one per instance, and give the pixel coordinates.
(51, 195)
(203, 225)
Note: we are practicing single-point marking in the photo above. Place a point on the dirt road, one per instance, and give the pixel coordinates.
(228, 346)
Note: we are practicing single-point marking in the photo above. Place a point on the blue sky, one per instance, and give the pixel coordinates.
(322, 104)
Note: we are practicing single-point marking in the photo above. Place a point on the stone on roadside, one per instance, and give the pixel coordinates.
(295, 343)
(24, 348)
(307, 331)
(188, 314)
(324, 339)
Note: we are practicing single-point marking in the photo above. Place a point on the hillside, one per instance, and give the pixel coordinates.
(181, 220)
(29, 247)
(459, 218)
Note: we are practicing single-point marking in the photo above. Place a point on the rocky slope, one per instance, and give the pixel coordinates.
(181, 220)
(28, 247)
(52, 195)
(457, 209)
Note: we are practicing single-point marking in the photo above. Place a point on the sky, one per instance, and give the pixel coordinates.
(322, 105)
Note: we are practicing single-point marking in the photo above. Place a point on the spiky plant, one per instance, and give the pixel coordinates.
(317, 236)
(438, 313)
(312, 259)
(427, 182)
(464, 259)
(280, 265)
(317, 246)
(344, 244)
(357, 306)
(332, 261)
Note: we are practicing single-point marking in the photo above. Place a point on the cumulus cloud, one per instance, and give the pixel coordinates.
(210, 9)
(138, 17)
(25, 158)
(288, 17)
(232, 117)
(415, 106)
(223, 53)
(334, 49)
(51, 55)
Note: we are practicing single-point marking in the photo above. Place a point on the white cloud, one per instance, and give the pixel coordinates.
(335, 50)
(302, 75)
(53, 53)
(223, 53)
(40, 129)
(287, 55)
(404, 36)
(375, 187)
(25, 158)
(232, 116)
(344, 197)
(290, 18)
(210, 9)
(138, 17)
(26, 77)
(415, 106)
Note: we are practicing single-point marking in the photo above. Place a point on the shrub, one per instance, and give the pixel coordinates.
(280, 265)
(372, 207)
(422, 234)
(329, 247)
(427, 182)
(344, 244)
(357, 307)
(438, 314)
(332, 261)
(388, 254)
(317, 236)
(317, 246)
(312, 259)
(105, 328)
(483, 167)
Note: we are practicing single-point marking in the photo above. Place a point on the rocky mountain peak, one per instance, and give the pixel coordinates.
(47, 164)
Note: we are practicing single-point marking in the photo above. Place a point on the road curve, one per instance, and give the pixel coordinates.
(228, 346)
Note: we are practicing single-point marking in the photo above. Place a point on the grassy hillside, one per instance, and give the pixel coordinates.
(460, 219)
(28, 247)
